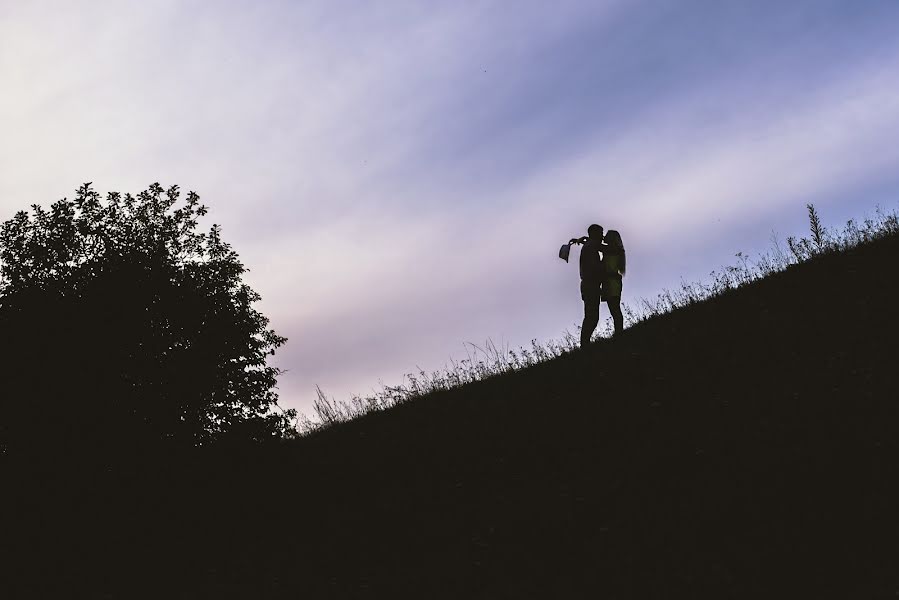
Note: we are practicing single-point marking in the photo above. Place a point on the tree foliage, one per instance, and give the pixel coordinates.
(121, 321)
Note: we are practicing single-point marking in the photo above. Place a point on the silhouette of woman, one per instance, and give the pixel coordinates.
(592, 273)
(614, 265)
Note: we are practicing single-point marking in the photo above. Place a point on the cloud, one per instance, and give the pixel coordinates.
(398, 176)
(686, 179)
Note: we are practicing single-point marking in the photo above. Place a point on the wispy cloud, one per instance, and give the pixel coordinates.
(399, 175)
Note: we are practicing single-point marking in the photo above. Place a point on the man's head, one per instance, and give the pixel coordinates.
(595, 232)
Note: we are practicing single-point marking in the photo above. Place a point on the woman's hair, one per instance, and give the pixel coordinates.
(613, 239)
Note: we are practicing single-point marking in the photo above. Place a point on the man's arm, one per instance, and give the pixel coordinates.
(598, 246)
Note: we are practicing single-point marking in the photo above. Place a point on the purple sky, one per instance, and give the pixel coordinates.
(399, 175)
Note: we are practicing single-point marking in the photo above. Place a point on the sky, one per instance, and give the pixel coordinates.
(398, 176)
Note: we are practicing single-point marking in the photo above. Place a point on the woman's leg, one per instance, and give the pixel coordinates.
(615, 308)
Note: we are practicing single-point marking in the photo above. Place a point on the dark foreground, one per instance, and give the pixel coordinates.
(742, 448)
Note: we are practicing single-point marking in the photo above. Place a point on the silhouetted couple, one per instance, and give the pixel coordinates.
(602, 265)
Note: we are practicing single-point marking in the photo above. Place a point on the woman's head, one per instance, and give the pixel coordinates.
(613, 238)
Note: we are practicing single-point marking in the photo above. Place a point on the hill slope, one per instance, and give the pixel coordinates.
(742, 447)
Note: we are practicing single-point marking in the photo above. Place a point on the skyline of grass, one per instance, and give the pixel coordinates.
(489, 360)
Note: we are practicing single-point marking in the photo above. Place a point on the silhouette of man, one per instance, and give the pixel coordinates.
(592, 274)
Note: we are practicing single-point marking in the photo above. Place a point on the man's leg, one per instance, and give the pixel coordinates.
(591, 319)
(615, 308)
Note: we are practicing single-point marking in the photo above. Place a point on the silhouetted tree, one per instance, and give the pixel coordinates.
(121, 323)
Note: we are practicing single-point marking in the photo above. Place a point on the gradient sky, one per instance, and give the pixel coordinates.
(398, 176)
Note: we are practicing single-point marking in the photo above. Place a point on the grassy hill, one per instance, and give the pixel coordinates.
(742, 447)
